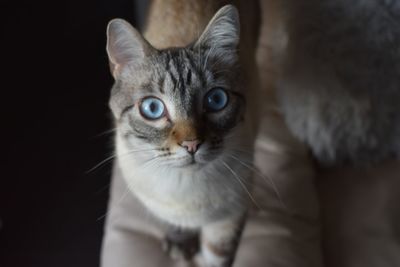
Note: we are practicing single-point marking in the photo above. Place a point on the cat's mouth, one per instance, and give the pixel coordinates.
(199, 159)
(190, 161)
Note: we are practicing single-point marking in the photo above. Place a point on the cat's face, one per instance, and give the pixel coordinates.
(183, 106)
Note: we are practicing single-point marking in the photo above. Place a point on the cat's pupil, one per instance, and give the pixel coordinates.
(153, 107)
(216, 98)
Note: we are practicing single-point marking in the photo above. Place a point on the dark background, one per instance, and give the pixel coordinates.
(55, 84)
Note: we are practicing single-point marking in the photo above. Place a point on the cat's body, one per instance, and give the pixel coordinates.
(184, 135)
(340, 89)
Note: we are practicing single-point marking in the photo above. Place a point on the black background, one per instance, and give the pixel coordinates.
(55, 84)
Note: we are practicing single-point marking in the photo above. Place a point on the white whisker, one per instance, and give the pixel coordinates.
(241, 182)
(115, 204)
(108, 159)
(101, 163)
(113, 130)
(265, 178)
(148, 163)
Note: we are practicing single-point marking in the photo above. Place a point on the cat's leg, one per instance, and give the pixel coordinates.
(181, 244)
(219, 242)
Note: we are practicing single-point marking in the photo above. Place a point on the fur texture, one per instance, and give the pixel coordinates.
(340, 85)
(208, 190)
(160, 171)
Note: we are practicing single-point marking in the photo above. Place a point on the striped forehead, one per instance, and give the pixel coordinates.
(182, 79)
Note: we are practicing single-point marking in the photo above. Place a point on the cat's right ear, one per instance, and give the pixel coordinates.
(125, 45)
(221, 36)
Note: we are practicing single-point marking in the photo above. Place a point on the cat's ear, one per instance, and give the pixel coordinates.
(221, 36)
(125, 45)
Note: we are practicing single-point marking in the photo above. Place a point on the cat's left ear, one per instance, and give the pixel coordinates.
(125, 45)
(221, 36)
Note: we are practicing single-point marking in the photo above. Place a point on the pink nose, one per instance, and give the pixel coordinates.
(191, 146)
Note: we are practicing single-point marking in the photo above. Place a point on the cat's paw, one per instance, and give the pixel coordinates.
(215, 256)
(181, 246)
(205, 260)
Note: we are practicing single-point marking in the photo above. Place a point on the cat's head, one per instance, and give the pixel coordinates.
(181, 106)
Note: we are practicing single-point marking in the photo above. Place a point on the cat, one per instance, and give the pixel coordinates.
(340, 82)
(184, 134)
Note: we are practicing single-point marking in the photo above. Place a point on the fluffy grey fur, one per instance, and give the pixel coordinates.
(340, 86)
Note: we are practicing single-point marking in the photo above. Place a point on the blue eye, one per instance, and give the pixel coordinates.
(152, 108)
(216, 100)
